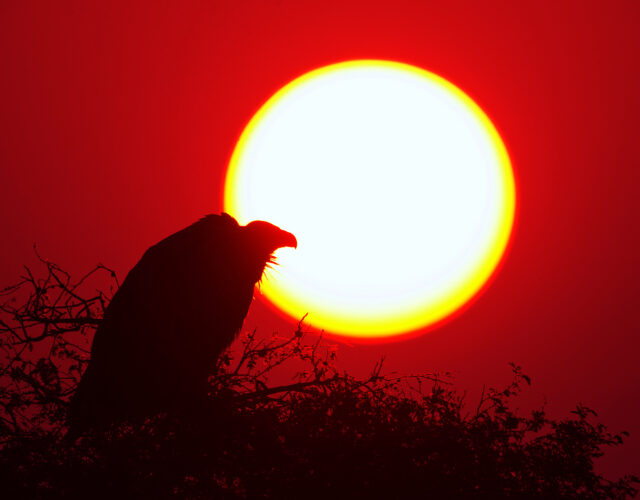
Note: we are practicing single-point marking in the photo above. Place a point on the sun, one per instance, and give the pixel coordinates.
(397, 186)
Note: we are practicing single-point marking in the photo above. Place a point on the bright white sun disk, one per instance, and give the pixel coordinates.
(396, 185)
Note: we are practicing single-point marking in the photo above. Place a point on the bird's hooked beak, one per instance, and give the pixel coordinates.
(267, 237)
(262, 239)
(289, 240)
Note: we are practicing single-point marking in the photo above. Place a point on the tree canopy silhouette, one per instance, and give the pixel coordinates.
(181, 305)
(323, 433)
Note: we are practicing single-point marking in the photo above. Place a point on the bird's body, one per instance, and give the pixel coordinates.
(177, 310)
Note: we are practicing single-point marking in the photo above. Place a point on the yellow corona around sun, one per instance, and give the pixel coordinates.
(397, 186)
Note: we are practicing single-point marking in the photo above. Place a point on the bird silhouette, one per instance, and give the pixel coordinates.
(177, 310)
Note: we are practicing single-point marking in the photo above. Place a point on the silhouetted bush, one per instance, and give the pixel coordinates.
(322, 434)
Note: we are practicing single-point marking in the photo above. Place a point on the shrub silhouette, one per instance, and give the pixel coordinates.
(323, 433)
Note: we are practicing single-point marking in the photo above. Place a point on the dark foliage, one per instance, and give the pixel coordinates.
(322, 434)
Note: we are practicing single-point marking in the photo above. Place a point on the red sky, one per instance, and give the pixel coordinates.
(117, 121)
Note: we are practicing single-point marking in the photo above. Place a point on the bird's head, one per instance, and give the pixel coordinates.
(261, 239)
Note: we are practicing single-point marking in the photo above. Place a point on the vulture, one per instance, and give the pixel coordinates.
(177, 310)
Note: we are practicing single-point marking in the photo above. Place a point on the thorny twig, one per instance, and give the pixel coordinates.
(47, 322)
